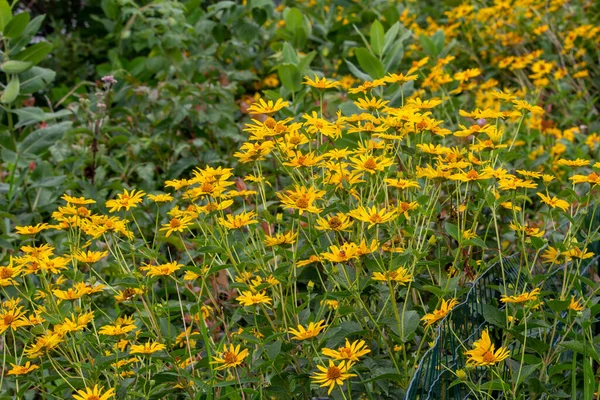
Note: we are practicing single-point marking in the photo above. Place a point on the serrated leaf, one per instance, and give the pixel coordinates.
(377, 37)
(369, 63)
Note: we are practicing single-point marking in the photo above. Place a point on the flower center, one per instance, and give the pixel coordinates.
(302, 202)
(8, 319)
(175, 223)
(472, 174)
(92, 397)
(333, 372)
(375, 218)
(489, 357)
(370, 163)
(270, 123)
(6, 273)
(335, 223)
(346, 352)
(230, 357)
(207, 187)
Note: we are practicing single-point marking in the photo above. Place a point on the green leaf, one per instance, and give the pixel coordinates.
(305, 62)
(357, 72)
(290, 77)
(293, 19)
(273, 349)
(558, 305)
(390, 37)
(409, 323)
(15, 67)
(289, 54)
(11, 91)
(5, 14)
(369, 63)
(39, 141)
(588, 379)
(35, 79)
(32, 115)
(494, 316)
(34, 54)
(452, 230)
(377, 37)
(583, 348)
(17, 25)
(428, 45)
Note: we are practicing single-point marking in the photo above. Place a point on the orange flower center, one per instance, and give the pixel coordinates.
(370, 163)
(207, 187)
(270, 123)
(346, 352)
(489, 357)
(376, 219)
(6, 273)
(302, 202)
(230, 357)
(333, 372)
(9, 319)
(175, 223)
(92, 397)
(342, 253)
(472, 174)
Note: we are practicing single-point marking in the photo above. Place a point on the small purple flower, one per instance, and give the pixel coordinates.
(481, 121)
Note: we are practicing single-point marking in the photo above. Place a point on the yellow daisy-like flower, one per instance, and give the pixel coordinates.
(371, 164)
(576, 305)
(22, 369)
(402, 183)
(230, 358)
(369, 104)
(177, 224)
(574, 163)
(333, 374)
(522, 298)
(345, 252)
(439, 313)
(238, 221)
(125, 200)
(338, 223)
(160, 198)
(90, 257)
(247, 298)
(263, 107)
(485, 353)
(80, 201)
(301, 199)
(280, 239)
(554, 202)
(163, 269)
(312, 330)
(31, 230)
(12, 319)
(146, 348)
(373, 216)
(351, 352)
(400, 275)
(94, 394)
(321, 83)
(577, 253)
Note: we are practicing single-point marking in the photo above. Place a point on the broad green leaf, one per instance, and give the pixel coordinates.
(369, 63)
(5, 14)
(390, 37)
(290, 77)
(39, 141)
(494, 316)
(34, 54)
(15, 66)
(357, 72)
(35, 79)
(11, 91)
(32, 115)
(377, 37)
(305, 62)
(17, 25)
(583, 348)
(452, 230)
(16, 45)
(409, 322)
(428, 45)
(289, 54)
(293, 19)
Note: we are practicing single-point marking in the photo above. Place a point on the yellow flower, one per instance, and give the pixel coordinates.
(238, 221)
(574, 163)
(372, 216)
(333, 375)
(554, 202)
(439, 313)
(162, 269)
(230, 358)
(160, 198)
(263, 107)
(370, 104)
(576, 305)
(402, 183)
(69, 294)
(371, 164)
(350, 352)
(90, 257)
(280, 239)
(298, 159)
(400, 275)
(22, 369)
(399, 78)
(484, 352)
(247, 298)
(522, 298)
(528, 230)
(177, 224)
(31, 230)
(577, 253)
(128, 294)
(80, 201)
(12, 319)
(345, 252)
(338, 223)
(95, 394)
(146, 348)
(125, 200)
(301, 199)
(322, 83)
(312, 330)
(331, 304)
(551, 255)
